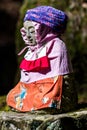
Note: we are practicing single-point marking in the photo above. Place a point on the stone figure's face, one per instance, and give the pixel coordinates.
(30, 32)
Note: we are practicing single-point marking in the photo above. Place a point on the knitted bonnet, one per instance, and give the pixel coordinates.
(49, 16)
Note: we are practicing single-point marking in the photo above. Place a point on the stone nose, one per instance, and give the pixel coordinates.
(28, 34)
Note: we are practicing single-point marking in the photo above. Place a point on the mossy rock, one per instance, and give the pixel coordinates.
(32, 121)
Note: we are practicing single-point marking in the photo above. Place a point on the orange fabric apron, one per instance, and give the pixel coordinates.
(37, 95)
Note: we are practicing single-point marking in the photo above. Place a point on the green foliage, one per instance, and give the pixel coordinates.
(77, 46)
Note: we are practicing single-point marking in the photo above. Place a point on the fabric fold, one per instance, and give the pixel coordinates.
(35, 65)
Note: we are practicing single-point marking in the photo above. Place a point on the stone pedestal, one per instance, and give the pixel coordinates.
(40, 121)
(69, 94)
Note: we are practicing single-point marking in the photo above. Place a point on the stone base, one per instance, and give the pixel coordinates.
(39, 121)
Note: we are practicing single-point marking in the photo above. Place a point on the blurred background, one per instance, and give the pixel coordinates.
(11, 20)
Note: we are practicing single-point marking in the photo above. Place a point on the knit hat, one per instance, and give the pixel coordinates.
(49, 16)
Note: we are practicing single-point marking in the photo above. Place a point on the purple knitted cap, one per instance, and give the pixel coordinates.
(49, 16)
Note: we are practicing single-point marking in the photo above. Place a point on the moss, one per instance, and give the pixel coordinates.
(3, 105)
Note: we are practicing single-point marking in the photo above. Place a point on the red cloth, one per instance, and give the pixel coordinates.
(35, 65)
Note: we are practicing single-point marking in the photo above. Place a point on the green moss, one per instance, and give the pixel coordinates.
(3, 105)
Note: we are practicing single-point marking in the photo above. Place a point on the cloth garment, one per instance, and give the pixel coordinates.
(35, 61)
(49, 16)
(59, 62)
(35, 65)
(44, 93)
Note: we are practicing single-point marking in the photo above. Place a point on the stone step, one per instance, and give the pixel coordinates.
(76, 120)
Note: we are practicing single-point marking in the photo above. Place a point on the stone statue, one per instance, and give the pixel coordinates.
(46, 66)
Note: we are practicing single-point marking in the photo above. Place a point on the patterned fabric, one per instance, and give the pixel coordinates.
(44, 93)
(51, 17)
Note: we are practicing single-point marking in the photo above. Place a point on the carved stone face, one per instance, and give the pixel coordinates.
(30, 32)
